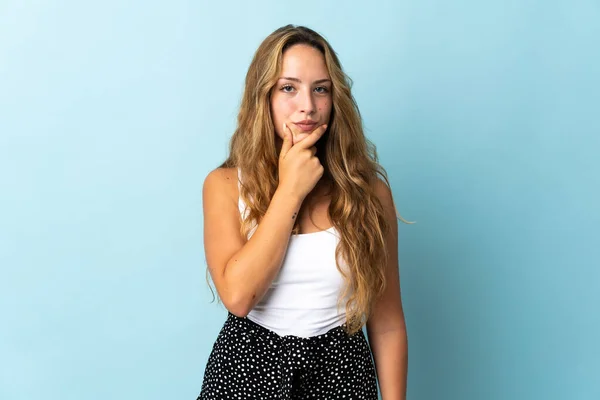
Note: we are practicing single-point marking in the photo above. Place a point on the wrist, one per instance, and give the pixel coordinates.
(289, 196)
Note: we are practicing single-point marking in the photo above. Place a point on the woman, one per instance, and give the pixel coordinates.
(300, 236)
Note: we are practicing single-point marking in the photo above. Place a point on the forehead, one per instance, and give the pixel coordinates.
(302, 60)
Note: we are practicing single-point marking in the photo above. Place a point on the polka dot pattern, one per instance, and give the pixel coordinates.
(249, 361)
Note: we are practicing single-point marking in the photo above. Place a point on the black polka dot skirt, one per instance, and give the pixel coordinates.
(249, 361)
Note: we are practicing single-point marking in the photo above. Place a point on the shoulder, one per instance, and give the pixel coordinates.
(221, 183)
(384, 193)
(221, 175)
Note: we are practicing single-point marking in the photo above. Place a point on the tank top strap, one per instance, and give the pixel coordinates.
(239, 185)
(244, 211)
(241, 203)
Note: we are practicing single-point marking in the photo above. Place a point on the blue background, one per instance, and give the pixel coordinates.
(485, 114)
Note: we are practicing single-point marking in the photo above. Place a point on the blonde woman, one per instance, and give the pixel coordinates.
(300, 235)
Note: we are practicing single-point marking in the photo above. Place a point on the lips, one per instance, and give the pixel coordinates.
(306, 125)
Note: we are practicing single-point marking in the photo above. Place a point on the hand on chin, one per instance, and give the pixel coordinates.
(297, 138)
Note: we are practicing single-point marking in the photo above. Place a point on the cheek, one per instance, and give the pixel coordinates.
(279, 105)
(281, 110)
(325, 108)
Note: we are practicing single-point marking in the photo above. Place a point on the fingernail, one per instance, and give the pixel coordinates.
(284, 126)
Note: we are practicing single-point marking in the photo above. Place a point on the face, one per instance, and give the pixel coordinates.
(301, 97)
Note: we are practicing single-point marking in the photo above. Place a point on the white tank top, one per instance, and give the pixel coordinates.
(302, 299)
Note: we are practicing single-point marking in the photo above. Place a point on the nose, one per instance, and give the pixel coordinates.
(306, 102)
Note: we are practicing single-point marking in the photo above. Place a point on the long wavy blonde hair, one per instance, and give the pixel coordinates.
(348, 157)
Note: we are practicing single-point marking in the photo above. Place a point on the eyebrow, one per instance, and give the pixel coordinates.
(299, 81)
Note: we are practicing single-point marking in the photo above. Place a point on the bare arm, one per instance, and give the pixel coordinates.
(386, 327)
(243, 270)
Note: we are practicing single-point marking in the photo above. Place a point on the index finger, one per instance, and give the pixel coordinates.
(311, 139)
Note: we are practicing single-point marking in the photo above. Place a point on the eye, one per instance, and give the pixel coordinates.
(287, 88)
(322, 89)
